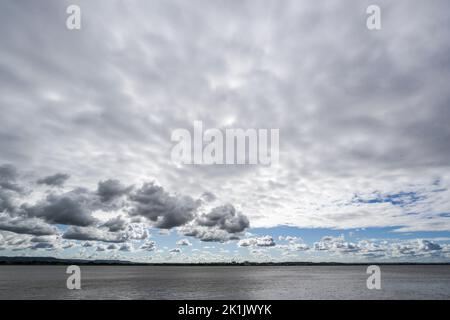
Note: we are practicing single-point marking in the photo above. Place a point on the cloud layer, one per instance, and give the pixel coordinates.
(87, 116)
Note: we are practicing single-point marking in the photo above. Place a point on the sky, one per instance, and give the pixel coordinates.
(86, 118)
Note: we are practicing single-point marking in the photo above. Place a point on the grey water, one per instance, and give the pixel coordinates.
(218, 282)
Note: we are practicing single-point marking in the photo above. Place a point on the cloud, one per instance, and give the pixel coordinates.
(8, 188)
(111, 189)
(290, 239)
(67, 245)
(115, 224)
(43, 245)
(112, 246)
(22, 225)
(175, 250)
(335, 244)
(75, 209)
(137, 231)
(6, 201)
(295, 247)
(148, 245)
(56, 180)
(126, 247)
(207, 234)
(329, 108)
(402, 250)
(427, 245)
(8, 173)
(43, 239)
(162, 209)
(93, 234)
(417, 248)
(208, 196)
(295, 244)
(221, 224)
(363, 116)
(70, 208)
(226, 218)
(183, 242)
(265, 241)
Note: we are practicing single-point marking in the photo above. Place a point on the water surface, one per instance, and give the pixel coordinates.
(233, 282)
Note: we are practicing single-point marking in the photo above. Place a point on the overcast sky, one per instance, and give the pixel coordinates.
(86, 118)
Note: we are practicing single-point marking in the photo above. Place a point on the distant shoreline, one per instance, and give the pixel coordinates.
(56, 261)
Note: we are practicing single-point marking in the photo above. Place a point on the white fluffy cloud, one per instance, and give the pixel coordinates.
(148, 245)
(265, 241)
(403, 250)
(184, 242)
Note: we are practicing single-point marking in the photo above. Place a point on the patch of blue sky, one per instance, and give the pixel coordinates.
(396, 199)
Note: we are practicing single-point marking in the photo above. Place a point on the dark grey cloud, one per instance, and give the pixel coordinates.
(112, 246)
(208, 196)
(226, 218)
(8, 188)
(220, 224)
(43, 245)
(70, 208)
(162, 209)
(8, 173)
(208, 234)
(56, 180)
(115, 224)
(137, 231)
(42, 239)
(126, 247)
(22, 225)
(93, 234)
(6, 201)
(111, 189)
